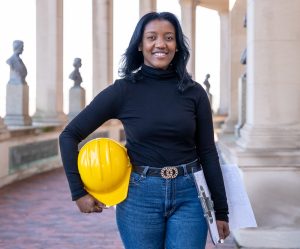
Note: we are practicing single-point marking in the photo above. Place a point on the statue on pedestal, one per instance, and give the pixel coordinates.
(206, 83)
(76, 92)
(18, 71)
(207, 88)
(75, 75)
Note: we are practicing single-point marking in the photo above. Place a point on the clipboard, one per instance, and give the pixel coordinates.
(240, 211)
(207, 205)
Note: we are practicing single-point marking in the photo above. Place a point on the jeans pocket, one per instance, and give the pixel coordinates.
(135, 178)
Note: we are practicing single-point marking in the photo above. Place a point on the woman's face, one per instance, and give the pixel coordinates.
(158, 44)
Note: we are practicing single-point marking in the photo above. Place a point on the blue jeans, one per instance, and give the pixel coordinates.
(162, 214)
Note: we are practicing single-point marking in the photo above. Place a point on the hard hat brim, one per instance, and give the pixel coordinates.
(114, 197)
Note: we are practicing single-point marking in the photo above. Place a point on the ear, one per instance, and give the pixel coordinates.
(140, 47)
(176, 50)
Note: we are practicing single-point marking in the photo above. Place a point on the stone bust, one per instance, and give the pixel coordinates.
(18, 71)
(75, 75)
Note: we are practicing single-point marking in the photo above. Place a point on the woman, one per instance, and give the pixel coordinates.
(167, 121)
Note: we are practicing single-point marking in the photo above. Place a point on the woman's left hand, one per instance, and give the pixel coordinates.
(223, 229)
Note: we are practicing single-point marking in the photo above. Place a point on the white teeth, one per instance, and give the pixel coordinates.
(160, 54)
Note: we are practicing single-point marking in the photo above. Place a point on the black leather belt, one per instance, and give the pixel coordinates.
(168, 172)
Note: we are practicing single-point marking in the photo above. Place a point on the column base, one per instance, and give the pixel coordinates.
(271, 178)
(17, 120)
(49, 118)
(229, 125)
(268, 237)
(269, 137)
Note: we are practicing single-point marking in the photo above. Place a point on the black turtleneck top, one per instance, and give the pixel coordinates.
(163, 126)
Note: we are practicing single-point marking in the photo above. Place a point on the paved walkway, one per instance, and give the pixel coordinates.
(37, 213)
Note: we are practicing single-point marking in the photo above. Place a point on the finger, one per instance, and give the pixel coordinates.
(100, 204)
(97, 209)
(221, 232)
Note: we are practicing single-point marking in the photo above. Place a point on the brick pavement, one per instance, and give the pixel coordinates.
(37, 213)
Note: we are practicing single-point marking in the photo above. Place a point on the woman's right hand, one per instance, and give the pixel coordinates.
(88, 204)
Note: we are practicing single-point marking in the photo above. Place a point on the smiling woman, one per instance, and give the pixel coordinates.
(158, 44)
(167, 120)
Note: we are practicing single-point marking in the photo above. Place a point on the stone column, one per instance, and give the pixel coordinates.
(147, 6)
(237, 44)
(188, 20)
(224, 65)
(49, 62)
(273, 89)
(268, 149)
(102, 44)
(242, 84)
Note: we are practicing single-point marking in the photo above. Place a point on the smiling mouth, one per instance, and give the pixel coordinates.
(160, 54)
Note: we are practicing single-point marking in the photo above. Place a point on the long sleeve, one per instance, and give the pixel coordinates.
(104, 106)
(209, 159)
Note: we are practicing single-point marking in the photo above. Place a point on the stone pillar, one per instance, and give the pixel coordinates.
(242, 84)
(188, 20)
(237, 44)
(102, 44)
(273, 89)
(224, 65)
(268, 149)
(49, 64)
(147, 6)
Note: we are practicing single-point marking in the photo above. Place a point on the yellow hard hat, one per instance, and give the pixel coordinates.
(105, 168)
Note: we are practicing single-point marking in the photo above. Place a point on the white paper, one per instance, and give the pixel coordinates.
(240, 211)
(212, 225)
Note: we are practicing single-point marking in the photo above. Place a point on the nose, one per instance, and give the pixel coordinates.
(160, 43)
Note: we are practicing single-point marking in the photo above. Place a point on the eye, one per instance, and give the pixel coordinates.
(151, 37)
(169, 38)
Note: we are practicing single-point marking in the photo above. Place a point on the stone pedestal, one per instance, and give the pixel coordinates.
(3, 130)
(17, 105)
(76, 101)
(241, 104)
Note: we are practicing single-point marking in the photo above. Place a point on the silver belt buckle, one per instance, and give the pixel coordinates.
(169, 172)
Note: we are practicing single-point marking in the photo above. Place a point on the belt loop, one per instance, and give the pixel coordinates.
(145, 171)
(184, 169)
